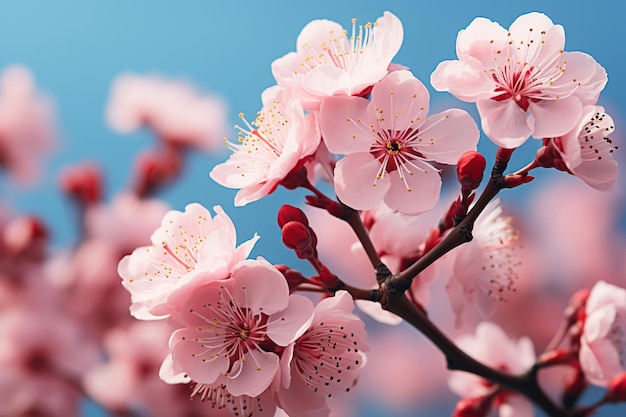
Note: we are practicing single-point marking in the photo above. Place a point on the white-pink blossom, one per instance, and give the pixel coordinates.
(280, 139)
(126, 222)
(587, 149)
(603, 342)
(27, 126)
(41, 351)
(388, 143)
(231, 328)
(491, 346)
(325, 361)
(522, 81)
(176, 111)
(485, 269)
(328, 62)
(184, 243)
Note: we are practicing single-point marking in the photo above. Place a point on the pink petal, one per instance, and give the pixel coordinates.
(504, 122)
(289, 324)
(171, 373)
(190, 355)
(475, 40)
(600, 174)
(355, 181)
(283, 68)
(389, 35)
(423, 192)
(516, 406)
(537, 27)
(342, 121)
(465, 79)
(399, 101)
(603, 294)
(554, 118)
(259, 287)
(447, 135)
(256, 375)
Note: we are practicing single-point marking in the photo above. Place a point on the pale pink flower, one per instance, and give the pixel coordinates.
(27, 127)
(134, 355)
(603, 342)
(388, 143)
(184, 242)
(485, 269)
(278, 140)
(325, 361)
(42, 354)
(126, 222)
(231, 329)
(491, 346)
(177, 112)
(329, 63)
(588, 151)
(521, 80)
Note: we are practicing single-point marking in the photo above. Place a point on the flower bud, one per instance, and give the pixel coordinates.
(473, 407)
(82, 182)
(515, 180)
(296, 236)
(289, 213)
(617, 389)
(332, 207)
(293, 277)
(470, 169)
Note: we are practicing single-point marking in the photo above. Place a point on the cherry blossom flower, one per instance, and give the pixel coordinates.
(184, 242)
(603, 342)
(41, 354)
(491, 346)
(126, 222)
(27, 127)
(521, 80)
(325, 361)
(328, 63)
(388, 143)
(485, 269)
(232, 327)
(278, 140)
(175, 110)
(588, 151)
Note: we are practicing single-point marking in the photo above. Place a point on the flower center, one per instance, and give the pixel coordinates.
(522, 74)
(393, 147)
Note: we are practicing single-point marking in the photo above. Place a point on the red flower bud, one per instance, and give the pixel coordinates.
(289, 213)
(296, 236)
(617, 389)
(334, 208)
(470, 169)
(83, 182)
(515, 180)
(293, 277)
(473, 407)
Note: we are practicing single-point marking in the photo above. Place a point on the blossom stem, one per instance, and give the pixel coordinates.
(458, 360)
(355, 222)
(460, 234)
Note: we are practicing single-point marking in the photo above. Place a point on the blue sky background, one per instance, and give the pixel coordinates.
(75, 49)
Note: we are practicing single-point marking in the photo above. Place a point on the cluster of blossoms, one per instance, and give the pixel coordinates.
(230, 329)
(238, 334)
